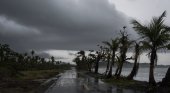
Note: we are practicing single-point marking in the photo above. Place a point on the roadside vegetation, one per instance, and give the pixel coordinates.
(154, 36)
(23, 73)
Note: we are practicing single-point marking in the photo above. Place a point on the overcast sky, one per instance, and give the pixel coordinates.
(70, 24)
(45, 25)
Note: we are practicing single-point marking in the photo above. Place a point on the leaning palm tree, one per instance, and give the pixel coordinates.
(90, 60)
(113, 46)
(52, 59)
(135, 68)
(125, 44)
(82, 54)
(107, 57)
(156, 35)
(99, 56)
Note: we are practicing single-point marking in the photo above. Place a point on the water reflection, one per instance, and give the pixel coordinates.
(119, 90)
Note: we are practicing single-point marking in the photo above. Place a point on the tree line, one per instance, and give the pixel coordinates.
(12, 62)
(154, 36)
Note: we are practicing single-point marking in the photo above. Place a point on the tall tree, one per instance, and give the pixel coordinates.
(113, 46)
(135, 68)
(52, 59)
(81, 60)
(107, 58)
(90, 60)
(82, 54)
(32, 53)
(156, 35)
(100, 54)
(98, 58)
(124, 46)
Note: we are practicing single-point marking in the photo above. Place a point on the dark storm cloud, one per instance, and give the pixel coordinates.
(58, 24)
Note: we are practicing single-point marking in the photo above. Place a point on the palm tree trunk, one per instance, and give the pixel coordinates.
(120, 70)
(116, 71)
(111, 65)
(123, 58)
(97, 64)
(110, 71)
(88, 66)
(118, 67)
(136, 64)
(152, 81)
(107, 67)
(134, 70)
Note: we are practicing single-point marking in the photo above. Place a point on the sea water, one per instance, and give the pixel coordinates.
(143, 73)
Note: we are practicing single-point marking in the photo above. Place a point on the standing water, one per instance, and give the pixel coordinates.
(72, 81)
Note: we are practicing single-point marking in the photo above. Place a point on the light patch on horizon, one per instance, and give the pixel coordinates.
(62, 55)
(68, 56)
(163, 58)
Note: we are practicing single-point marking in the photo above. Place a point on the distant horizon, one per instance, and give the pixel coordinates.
(163, 58)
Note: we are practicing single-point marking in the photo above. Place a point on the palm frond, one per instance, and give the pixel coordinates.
(107, 43)
(139, 28)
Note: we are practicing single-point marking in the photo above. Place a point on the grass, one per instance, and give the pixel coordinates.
(124, 83)
(27, 82)
(38, 74)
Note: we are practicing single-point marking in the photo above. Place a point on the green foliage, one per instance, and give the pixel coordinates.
(155, 36)
(110, 53)
(38, 74)
(81, 60)
(11, 62)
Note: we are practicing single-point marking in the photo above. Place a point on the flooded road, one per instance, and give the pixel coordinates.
(76, 82)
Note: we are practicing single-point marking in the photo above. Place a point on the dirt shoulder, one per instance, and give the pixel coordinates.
(27, 82)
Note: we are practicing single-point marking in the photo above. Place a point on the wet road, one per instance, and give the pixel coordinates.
(74, 82)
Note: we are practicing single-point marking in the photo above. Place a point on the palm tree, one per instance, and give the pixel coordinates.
(52, 59)
(77, 61)
(124, 46)
(107, 57)
(90, 60)
(113, 46)
(82, 54)
(42, 60)
(136, 64)
(99, 56)
(156, 35)
(6, 52)
(81, 60)
(32, 53)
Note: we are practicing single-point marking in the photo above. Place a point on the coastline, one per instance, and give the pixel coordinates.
(122, 82)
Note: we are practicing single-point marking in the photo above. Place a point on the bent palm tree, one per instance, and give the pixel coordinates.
(136, 64)
(82, 64)
(99, 56)
(107, 57)
(156, 35)
(125, 44)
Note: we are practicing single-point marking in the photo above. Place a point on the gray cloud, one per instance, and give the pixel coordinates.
(58, 24)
